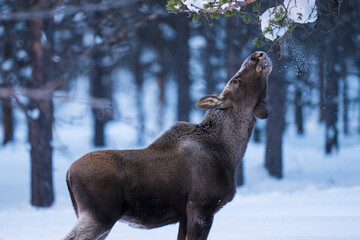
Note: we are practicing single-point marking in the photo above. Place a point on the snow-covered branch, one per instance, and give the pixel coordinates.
(208, 6)
(275, 21)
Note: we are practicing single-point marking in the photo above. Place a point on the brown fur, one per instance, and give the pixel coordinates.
(185, 176)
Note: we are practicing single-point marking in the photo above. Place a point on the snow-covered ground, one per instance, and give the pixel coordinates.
(319, 197)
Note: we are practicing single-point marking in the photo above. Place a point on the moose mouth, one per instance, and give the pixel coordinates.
(264, 63)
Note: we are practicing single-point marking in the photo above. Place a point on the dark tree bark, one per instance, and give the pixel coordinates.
(321, 83)
(139, 79)
(8, 121)
(276, 121)
(257, 134)
(345, 97)
(159, 43)
(101, 87)
(213, 55)
(299, 117)
(41, 118)
(331, 104)
(233, 63)
(182, 68)
(7, 110)
(101, 90)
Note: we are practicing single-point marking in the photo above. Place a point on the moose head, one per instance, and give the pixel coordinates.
(245, 90)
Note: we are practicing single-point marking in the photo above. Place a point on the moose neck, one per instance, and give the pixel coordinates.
(232, 127)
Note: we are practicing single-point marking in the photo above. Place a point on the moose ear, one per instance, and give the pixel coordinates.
(212, 102)
(260, 110)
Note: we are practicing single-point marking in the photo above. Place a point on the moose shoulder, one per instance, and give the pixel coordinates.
(185, 176)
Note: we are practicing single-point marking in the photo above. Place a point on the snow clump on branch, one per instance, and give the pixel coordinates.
(301, 11)
(198, 5)
(275, 22)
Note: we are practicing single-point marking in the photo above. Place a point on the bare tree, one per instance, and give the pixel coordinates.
(275, 125)
(41, 118)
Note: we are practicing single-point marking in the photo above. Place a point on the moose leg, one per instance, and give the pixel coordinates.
(182, 229)
(88, 228)
(199, 223)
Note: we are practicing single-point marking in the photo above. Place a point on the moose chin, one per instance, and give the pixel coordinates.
(185, 176)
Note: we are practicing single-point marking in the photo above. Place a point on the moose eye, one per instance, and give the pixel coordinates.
(234, 81)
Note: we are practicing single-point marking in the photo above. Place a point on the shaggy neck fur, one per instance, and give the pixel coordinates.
(232, 127)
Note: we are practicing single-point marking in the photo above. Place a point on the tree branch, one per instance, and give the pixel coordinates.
(66, 10)
(219, 9)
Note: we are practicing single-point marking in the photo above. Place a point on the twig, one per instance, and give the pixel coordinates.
(218, 9)
(66, 10)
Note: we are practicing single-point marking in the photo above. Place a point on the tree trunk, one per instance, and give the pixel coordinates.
(299, 117)
(182, 69)
(321, 83)
(139, 79)
(7, 110)
(40, 118)
(160, 74)
(331, 105)
(214, 54)
(257, 134)
(276, 121)
(233, 64)
(8, 121)
(101, 91)
(345, 97)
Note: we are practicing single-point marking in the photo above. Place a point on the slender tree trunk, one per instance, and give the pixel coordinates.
(160, 75)
(7, 110)
(182, 69)
(276, 122)
(345, 97)
(257, 134)
(331, 104)
(97, 91)
(214, 54)
(233, 64)
(139, 79)
(41, 118)
(321, 83)
(299, 117)
(8, 121)
(101, 90)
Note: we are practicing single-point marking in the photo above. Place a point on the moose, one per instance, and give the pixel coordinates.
(184, 176)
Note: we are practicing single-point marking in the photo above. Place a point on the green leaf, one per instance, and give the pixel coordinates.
(258, 43)
(247, 19)
(215, 15)
(229, 13)
(255, 7)
(290, 28)
(196, 17)
(299, 16)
